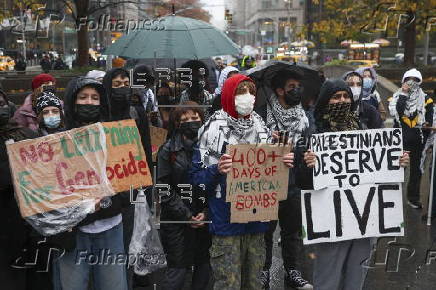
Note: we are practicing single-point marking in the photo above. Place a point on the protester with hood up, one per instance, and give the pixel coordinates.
(198, 90)
(226, 73)
(368, 115)
(50, 114)
(237, 252)
(338, 265)
(283, 112)
(86, 103)
(369, 89)
(26, 116)
(411, 109)
(14, 229)
(185, 245)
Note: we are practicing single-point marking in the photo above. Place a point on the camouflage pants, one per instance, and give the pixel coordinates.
(237, 261)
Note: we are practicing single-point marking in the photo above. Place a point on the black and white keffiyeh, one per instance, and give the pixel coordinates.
(292, 120)
(415, 104)
(221, 130)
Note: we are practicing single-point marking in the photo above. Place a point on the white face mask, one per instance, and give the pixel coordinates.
(244, 104)
(356, 92)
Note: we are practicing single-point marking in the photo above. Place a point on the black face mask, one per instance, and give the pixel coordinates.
(88, 113)
(190, 129)
(5, 114)
(293, 97)
(120, 95)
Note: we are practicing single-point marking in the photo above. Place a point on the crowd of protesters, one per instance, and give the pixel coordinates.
(223, 254)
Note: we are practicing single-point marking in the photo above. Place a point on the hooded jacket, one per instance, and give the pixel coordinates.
(67, 240)
(74, 86)
(369, 117)
(212, 144)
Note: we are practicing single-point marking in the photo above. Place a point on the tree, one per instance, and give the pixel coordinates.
(364, 20)
(81, 10)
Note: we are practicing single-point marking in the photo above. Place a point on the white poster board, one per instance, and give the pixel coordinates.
(357, 157)
(336, 214)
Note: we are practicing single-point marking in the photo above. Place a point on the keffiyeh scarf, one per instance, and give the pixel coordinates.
(292, 120)
(414, 104)
(221, 130)
(339, 117)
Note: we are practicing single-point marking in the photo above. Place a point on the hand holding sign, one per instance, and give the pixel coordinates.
(225, 164)
(288, 159)
(310, 158)
(405, 159)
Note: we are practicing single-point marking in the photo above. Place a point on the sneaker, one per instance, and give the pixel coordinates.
(264, 278)
(414, 204)
(293, 279)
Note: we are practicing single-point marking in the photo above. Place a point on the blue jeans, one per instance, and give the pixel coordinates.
(97, 255)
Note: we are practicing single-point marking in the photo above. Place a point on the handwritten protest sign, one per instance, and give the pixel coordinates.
(158, 137)
(62, 169)
(357, 157)
(357, 186)
(127, 164)
(336, 214)
(257, 181)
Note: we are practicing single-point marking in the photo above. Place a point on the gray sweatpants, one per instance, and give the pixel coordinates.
(338, 266)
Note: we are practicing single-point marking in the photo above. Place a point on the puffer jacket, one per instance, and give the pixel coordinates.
(182, 244)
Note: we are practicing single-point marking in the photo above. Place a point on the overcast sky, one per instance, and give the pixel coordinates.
(216, 9)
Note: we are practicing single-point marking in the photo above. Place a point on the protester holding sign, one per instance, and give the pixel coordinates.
(86, 103)
(238, 249)
(338, 265)
(188, 244)
(14, 230)
(411, 109)
(283, 112)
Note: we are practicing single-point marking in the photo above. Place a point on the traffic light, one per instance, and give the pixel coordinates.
(228, 16)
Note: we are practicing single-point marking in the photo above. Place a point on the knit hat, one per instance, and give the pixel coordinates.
(40, 79)
(47, 99)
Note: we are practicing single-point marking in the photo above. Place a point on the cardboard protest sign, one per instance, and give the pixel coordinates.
(257, 181)
(158, 137)
(127, 163)
(350, 158)
(63, 169)
(59, 170)
(336, 214)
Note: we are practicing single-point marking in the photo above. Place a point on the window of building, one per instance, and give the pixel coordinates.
(266, 4)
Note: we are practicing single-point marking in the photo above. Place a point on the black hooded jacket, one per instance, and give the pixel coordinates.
(67, 240)
(369, 116)
(329, 88)
(70, 101)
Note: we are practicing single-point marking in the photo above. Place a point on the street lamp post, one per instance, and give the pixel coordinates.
(23, 33)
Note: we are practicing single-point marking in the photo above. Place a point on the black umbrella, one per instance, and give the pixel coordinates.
(263, 75)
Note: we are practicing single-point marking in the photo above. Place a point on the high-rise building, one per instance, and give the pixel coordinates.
(266, 23)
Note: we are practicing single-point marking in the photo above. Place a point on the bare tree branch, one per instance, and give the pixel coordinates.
(99, 7)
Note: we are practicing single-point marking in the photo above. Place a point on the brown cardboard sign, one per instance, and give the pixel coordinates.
(257, 181)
